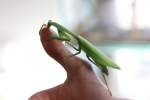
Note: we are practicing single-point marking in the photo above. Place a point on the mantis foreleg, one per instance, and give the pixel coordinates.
(77, 49)
(62, 39)
(62, 36)
(67, 40)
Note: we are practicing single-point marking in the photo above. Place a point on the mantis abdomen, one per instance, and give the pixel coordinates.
(95, 54)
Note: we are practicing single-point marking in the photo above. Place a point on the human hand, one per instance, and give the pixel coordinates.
(81, 82)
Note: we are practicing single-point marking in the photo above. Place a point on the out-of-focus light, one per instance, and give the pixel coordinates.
(27, 70)
(146, 56)
(125, 12)
(143, 13)
(133, 78)
(124, 55)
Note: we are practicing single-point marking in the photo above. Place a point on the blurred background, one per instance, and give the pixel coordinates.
(120, 28)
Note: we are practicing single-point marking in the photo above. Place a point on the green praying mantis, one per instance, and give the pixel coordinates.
(93, 54)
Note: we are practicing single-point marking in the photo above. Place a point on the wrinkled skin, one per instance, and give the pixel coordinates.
(81, 82)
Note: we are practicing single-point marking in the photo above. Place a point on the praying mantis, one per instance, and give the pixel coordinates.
(93, 54)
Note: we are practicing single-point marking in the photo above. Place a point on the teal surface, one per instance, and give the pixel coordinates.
(115, 46)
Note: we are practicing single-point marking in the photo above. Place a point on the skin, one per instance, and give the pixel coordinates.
(81, 82)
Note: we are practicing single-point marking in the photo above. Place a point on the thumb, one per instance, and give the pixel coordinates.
(60, 53)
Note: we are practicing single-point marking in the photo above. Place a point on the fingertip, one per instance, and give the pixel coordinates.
(42, 27)
(53, 47)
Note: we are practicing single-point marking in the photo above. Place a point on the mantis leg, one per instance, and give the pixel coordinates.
(106, 84)
(67, 40)
(103, 68)
(104, 71)
(62, 34)
(90, 59)
(60, 38)
(77, 52)
(78, 49)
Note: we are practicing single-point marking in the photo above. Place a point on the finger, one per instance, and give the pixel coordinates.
(60, 53)
(75, 67)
